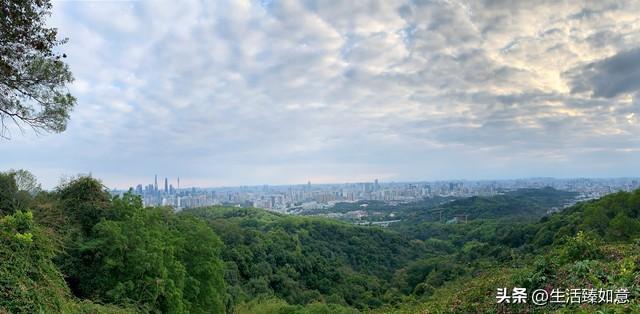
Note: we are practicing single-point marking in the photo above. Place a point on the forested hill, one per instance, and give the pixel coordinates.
(80, 250)
(508, 216)
(303, 259)
(521, 203)
(592, 245)
(529, 204)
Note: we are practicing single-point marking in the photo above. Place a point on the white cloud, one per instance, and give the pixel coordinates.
(241, 92)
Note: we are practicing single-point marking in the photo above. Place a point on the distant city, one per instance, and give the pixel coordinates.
(295, 198)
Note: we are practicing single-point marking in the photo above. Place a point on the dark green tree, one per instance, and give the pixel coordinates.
(17, 188)
(199, 251)
(8, 191)
(85, 201)
(33, 79)
(151, 258)
(27, 186)
(622, 227)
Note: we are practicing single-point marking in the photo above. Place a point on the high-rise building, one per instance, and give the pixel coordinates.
(155, 184)
(166, 185)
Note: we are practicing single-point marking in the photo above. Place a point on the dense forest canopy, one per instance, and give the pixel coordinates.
(80, 249)
(110, 250)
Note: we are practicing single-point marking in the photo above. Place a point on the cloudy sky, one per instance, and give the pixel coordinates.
(254, 92)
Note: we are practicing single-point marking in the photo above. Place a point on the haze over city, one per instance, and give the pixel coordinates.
(278, 92)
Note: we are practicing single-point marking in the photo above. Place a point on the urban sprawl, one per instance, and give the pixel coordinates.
(294, 198)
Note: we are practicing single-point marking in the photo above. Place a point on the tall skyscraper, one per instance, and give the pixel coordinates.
(155, 184)
(166, 185)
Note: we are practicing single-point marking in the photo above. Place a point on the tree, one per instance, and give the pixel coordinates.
(8, 191)
(31, 283)
(27, 186)
(17, 188)
(150, 257)
(84, 201)
(199, 251)
(26, 181)
(33, 79)
(622, 227)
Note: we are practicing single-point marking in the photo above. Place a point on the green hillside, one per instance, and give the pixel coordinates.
(590, 245)
(518, 204)
(528, 204)
(306, 260)
(79, 249)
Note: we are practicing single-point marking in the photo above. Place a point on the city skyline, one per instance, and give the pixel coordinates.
(171, 180)
(253, 92)
(125, 185)
(293, 199)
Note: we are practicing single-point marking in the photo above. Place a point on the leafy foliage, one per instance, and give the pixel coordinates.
(33, 79)
(84, 201)
(26, 181)
(81, 250)
(147, 257)
(584, 246)
(278, 306)
(115, 251)
(16, 189)
(29, 280)
(522, 203)
(8, 193)
(305, 260)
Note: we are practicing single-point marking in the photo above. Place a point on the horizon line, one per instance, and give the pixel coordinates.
(387, 182)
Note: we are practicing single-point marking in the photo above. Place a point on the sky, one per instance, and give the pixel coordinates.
(224, 93)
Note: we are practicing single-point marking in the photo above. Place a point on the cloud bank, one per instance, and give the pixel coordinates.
(250, 92)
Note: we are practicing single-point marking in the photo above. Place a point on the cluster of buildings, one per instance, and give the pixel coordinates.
(294, 198)
(169, 195)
